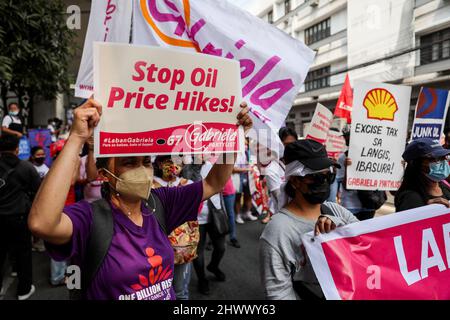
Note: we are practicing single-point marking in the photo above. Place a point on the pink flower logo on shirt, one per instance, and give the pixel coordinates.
(156, 272)
(154, 260)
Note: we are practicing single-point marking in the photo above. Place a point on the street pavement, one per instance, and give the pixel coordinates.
(240, 266)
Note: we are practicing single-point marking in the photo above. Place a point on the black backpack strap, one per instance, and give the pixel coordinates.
(99, 241)
(326, 210)
(159, 213)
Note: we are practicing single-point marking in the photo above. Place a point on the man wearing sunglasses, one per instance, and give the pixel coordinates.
(286, 271)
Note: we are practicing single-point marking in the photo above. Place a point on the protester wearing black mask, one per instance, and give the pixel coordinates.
(286, 271)
(38, 160)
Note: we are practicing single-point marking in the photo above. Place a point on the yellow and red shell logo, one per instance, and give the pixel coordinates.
(380, 104)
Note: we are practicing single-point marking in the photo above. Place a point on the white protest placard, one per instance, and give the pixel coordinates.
(378, 136)
(165, 101)
(320, 124)
(335, 144)
(401, 256)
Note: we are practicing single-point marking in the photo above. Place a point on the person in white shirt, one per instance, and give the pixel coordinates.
(241, 184)
(274, 174)
(38, 160)
(52, 126)
(11, 123)
(272, 169)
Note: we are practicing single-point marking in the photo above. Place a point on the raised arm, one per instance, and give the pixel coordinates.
(46, 218)
(91, 169)
(221, 171)
(240, 170)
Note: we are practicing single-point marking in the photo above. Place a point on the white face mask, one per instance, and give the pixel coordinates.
(135, 182)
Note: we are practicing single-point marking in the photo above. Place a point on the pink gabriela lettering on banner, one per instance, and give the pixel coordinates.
(110, 9)
(259, 94)
(189, 138)
(413, 262)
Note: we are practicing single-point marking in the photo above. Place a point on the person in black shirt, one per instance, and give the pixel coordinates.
(19, 182)
(424, 179)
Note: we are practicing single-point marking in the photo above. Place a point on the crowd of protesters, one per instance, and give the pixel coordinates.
(160, 214)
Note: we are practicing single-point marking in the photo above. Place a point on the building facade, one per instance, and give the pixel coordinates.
(403, 42)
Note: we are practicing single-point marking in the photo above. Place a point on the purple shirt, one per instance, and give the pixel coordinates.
(140, 261)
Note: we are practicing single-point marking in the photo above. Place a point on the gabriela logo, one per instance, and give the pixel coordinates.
(178, 23)
(380, 104)
(199, 137)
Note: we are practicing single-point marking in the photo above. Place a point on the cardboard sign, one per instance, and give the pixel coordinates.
(378, 136)
(320, 124)
(431, 112)
(335, 144)
(164, 101)
(405, 255)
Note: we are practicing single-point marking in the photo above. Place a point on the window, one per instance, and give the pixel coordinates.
(305, 114)
(292, 116)
(270, 16)
(317, 79)
(318, 32)
(436, 46)
(290, 125)
(287, 6)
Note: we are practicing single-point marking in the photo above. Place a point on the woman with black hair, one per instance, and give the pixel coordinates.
(424, 181)
(139, 261)
(287, 135)
(286, 272)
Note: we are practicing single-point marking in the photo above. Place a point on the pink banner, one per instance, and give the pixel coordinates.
(402, 256)
(189, 138)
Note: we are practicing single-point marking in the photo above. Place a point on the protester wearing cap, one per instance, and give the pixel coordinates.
(286, 271)
(424, 182)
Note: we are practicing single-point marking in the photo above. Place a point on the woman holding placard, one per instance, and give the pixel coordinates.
(138, 263)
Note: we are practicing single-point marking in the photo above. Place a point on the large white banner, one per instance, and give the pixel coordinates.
(109, 21)
(378, 136)
(273, 65)
(401, 256)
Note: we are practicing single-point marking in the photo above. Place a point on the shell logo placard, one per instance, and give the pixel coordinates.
(378, 135)
(380, 104)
